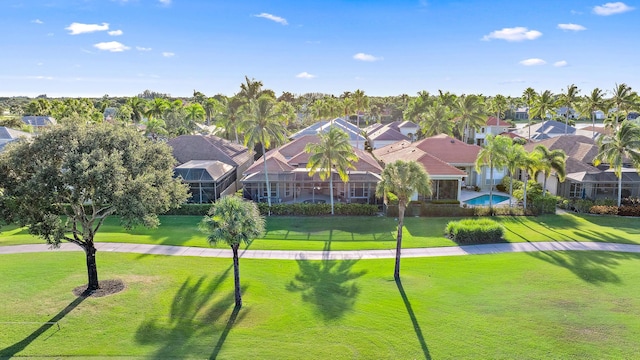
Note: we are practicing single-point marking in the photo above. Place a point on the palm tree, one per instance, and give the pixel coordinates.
(529, 96)
(361, 103)
(436, 120)
(403, 179)
(155, 127)
(569, 99)
(333, 152)
(250, 89)
(622, 100)
(263, 125)
(195, 114)
(156, 108)
(138, 108)
(592, 103)
(469, 112)
(615, 149)
(543, 103)
(493, 154)
(551, 160)
(513, 159)
(498, 105)
(233, 220)
(212, 107)
(347, 105)
(530, 163)
(230, 116)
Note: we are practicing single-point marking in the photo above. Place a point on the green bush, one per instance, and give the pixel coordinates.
(190, 209)
(606, 202)
(534, 190)
(544, 204)
(301, 209)
(582, 205)
(517, 184)
(474, 231)
(445, 202)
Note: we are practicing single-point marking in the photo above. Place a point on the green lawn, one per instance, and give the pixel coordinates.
(561, 305)
(352, 233)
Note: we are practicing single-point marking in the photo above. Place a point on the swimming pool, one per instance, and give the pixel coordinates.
(483, 200)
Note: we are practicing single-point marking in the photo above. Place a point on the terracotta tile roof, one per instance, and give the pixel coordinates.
(494, 121)
(199, 147)
(580, 151)
(449, 150)
(431, 164)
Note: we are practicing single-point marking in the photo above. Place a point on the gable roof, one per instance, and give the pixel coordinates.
(449, 150)
(580, 151)
(200, 147)
(494, 121)
(38, 121)
(545, 130)
(8, 135)
(203, 170)
(323, 126)
(387, 134)
(433, 165)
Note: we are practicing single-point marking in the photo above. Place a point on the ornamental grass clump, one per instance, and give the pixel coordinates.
(474, 231)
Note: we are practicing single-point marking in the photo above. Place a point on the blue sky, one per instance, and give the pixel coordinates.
(122, 47)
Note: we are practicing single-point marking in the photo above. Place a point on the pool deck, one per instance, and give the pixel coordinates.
(466, 195)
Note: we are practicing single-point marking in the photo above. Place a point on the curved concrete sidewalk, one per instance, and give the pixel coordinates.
(331, 255)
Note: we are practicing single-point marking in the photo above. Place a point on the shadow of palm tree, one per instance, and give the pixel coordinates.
(12, 350)
(192, 315)
(328, 284)
(414, 320)
(591, 266)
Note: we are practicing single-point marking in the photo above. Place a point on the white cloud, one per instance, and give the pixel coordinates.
(532, 62)
(513, 34)
(165, 2)
(37, 21)
(112, 46)
(40, 77)
(168, 54)
(78, 28)
(572, 27)
(366, 57)
(275, 18)
(140, 48)
(305, 75)
(561, 63)
(115, 32)
(612, 8)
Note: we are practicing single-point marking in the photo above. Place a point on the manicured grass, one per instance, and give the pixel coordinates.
(352, 233)
(509, 306)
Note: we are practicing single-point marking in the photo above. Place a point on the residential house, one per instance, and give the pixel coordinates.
(521, 113)
(290, 181)
(38, 121)
(493, 126)
(211, 166)
(8, 135)
(549, 129)
(583, 179)
(356, 135)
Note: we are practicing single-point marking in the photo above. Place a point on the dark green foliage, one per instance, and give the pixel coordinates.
(474, 231)
(301, 209)
(445, 201)
(190, 209)
(543, 205)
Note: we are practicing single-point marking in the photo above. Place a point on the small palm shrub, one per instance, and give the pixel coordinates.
(474, 231)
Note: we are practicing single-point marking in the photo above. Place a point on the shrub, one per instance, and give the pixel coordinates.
(474, 231)
(604, 210)
(606, 202)
(626, 210)
(544, 204)
(582, 205)
(301, 209)
(190, 209)
(445, 202)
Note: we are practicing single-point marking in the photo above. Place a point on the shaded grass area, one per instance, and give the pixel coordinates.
(353, 233)
(541, 305)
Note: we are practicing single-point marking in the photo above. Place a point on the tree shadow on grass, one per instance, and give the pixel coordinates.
(595, 267)
(327, 284)
(14, 349)
(414, 320)
(192, 315)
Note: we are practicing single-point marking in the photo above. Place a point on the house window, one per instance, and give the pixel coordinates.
(482, 130)
(287, 189)
(575, 191)
(359, 190)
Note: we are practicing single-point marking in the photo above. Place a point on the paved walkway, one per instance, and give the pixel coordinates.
(332, 255)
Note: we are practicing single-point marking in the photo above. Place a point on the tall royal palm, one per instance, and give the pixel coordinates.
(262, 124)
(591, 103)
(498, 105)
(436, 120)
(212, 107)
(360, 103)
(551, 160)
(230, 116)
(251, 89)
(195, 114)
(615, 149)
(493, 155)
(334, 152)
(403, 179)
(529, 96)
(469, 113)
(569, 100)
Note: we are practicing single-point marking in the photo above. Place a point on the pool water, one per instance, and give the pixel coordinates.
(483, 200)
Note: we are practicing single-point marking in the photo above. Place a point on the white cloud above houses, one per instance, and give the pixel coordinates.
(513, 34)
(165, 2)
(305, 75)
(278, 19)
(141, 48)
(115, 32)
(561, 63)
(112, 46)
(366, 57)
(168, 54)
(532, 62)
(79, 28)
(571, 27)
(611, 8)
(37, 21)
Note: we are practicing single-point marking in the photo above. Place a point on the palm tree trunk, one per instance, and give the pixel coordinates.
(544, 185)
(620, 189)
(526, 180)
(266, 176)
(510, 189)
(593, 125)
(401, 208)
(491, 187)
(331, 190)
(236, 275)
(92, 268)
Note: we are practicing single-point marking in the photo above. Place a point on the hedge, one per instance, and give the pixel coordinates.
(474, 231)
(301, 209)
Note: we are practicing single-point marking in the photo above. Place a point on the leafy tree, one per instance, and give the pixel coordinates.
(469, 113)
(417, 106)
(230, 116)
(195, 114)
(250, 89)
(513, 159)
(543, 103)
(157, 107)
(212, 107)
(530, 163)
(403, 179)
(493, 154)
(615, 149)
(360, 103)
(436, 120)
(498, 105)
(591, 103)
(262, 124)
(623, 100)
(233, 220)
(551, 160)
(64, 183)
(138, 108)
(333, 152)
